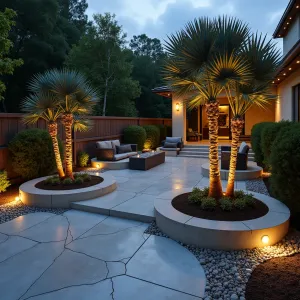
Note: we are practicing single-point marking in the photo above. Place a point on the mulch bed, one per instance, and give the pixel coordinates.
(182, 204)
(43, 186)
(11, 193)
(276, 279)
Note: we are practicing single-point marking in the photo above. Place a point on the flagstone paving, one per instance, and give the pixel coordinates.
(81, 255)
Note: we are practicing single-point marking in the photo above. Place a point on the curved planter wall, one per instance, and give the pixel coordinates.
(225, 235)
(32, 196)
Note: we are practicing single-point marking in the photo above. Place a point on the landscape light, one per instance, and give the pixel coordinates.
(265, 239)
(17, 198)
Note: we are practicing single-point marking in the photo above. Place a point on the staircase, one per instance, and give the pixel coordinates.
(202, 151)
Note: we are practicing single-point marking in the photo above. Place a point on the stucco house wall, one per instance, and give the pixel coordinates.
(292, 36)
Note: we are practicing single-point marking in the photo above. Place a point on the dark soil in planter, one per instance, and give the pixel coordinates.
(43, 186)
(182, 204)
(276, 279)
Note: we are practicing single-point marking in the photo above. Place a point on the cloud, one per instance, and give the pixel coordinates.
(158, 18)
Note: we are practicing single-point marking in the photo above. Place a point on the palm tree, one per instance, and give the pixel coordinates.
(264, 58)
(203, 46)
(45, 106)
(76, 99)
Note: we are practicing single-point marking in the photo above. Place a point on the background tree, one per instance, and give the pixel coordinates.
(7, 65)
(101, 55)
(43, 35)
(148, 57)
(263, 58)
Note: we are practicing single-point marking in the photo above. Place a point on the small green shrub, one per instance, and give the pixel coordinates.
(55, 181)
(78, 180)
(135, 135)
(226, 204)
(239, 194)
(256, 141)
(195, 196)
(250, 201)
(67, 181)
(208, 203)
(268, 136)
(4, 182)
(86, 177)
(32, 154)
(83, 159)
(285, 163)
(153, 136)
(240, 203)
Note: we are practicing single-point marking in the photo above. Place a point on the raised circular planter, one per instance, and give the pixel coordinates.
(32, 196)
(110, 165)
(225, 235)
(252, 172)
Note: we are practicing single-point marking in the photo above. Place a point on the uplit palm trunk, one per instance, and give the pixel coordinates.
(68, 122)
(236, 130)
(215, 186)
(52, 128)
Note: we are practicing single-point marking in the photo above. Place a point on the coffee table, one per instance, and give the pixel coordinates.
(146, 161)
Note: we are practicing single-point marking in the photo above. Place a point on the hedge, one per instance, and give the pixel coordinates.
(32, 154)
(268, 136)
(162, 131)
(135, 135)
(153, 137)
(285, 162)
(256, 141)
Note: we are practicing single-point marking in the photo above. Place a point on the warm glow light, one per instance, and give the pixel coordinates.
(290, 18)
(278, 78)
(97, 174)
(297, 6)
(17, 198)
(177, 106)
(98, 165)
(273, 81)
(290, 69)
(298, 61)
(265, 239)
(279, 35)
(287, 23)
(138, 155)
(284, 74)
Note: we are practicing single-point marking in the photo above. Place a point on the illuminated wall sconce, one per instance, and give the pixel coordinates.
(265, 239)
(177, 106)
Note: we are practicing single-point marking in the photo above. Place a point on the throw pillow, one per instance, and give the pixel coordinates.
(115, 143)
(104, 145)
(245, 149)
(173, 139)
(170, 145)
(243, 144)
(123, 149)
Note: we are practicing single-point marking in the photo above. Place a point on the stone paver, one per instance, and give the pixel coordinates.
(101, 260)
(127, 288)
(165, 262)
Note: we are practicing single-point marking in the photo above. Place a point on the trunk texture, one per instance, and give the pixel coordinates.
(52, 128)
(105, 98)
(68, 122)
(215, 186)
(236, 130)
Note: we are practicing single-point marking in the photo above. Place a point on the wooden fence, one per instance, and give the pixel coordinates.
(103, 128)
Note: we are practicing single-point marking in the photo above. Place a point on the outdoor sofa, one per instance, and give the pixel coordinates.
(172, 146)
(114, 151)
(242, 158)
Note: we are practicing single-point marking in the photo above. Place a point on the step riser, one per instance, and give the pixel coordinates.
(205, 156)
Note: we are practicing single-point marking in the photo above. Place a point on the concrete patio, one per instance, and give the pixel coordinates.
(92, 254)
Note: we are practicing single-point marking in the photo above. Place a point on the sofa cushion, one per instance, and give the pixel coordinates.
(121, 156)
(170, 145)
(173, 139)
(133, 153)
(115, 143)
(245, 149)
(123, 149)
(242, 146)
(104, 145)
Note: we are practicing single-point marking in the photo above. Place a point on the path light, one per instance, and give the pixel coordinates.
(17, 198)
(138, 155)
(177, 106)
(265, 239)
(98, 166)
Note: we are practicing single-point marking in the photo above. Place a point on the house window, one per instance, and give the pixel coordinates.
(296, 103)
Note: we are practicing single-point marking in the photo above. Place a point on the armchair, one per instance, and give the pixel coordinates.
(242, 158)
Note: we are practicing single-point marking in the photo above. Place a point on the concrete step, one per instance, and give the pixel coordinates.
(197, 155)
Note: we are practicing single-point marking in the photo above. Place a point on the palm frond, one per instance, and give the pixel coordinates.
(82, 125)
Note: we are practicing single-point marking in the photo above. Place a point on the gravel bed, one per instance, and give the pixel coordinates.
(15, 209)
(257, 185)
(227, 272)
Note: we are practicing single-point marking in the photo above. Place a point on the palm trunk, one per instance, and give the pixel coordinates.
(68, 122)
(215, 186)
(236, 130)
(52, 128)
